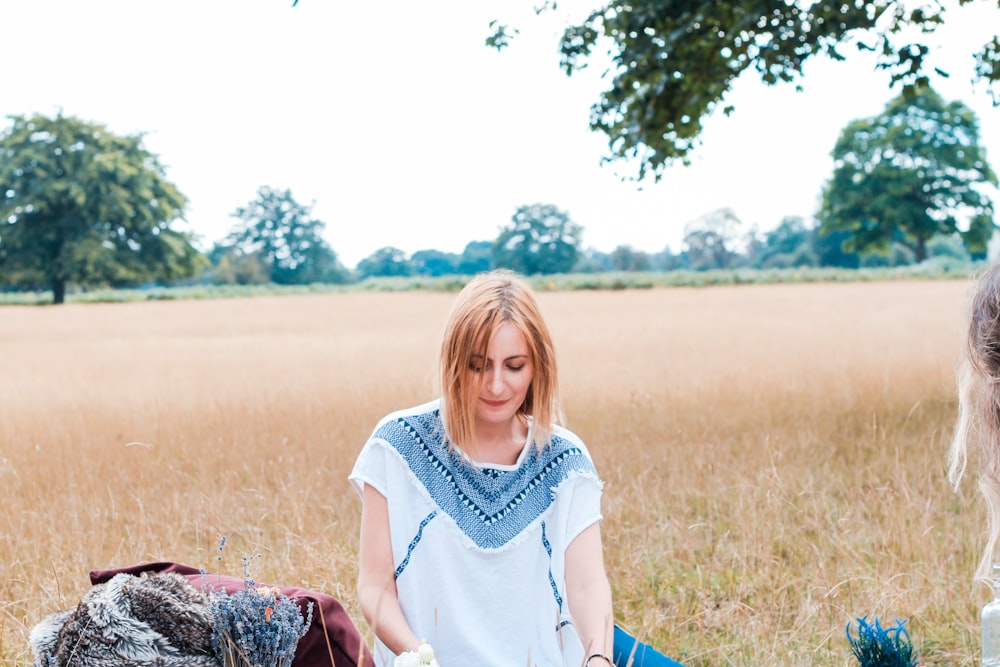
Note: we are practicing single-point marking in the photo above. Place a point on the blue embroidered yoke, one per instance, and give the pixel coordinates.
(490, 505)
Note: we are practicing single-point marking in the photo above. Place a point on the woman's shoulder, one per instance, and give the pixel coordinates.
(564, 438)
(428, 408)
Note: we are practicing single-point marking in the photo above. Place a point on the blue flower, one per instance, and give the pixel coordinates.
(876, 646)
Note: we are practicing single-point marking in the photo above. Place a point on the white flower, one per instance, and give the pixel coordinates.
(422, 657)
(426, 654)
(407, 659)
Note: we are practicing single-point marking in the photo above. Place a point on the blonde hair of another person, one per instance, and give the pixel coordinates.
(978, 422)
(487, 302)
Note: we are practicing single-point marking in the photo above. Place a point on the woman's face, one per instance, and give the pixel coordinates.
(505, 373)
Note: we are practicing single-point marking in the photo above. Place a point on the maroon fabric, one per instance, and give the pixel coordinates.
(329, 622)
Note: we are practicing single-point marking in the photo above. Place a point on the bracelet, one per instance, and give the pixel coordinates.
(598, 655)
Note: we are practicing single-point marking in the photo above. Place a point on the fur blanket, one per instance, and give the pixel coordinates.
(161, 609)
(149, 620)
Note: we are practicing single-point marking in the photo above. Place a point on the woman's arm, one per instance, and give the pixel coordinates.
(376, 576)
(589, 594)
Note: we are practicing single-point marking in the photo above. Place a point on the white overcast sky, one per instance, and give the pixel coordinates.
(403, 129)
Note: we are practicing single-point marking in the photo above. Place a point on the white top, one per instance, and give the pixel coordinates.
(479, 549)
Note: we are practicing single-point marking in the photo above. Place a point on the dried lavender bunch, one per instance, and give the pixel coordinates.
(256, 626)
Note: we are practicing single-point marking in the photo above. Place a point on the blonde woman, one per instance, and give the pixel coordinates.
(978, 423)
(480, 530)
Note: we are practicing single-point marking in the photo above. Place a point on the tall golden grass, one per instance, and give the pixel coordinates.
(773, 455)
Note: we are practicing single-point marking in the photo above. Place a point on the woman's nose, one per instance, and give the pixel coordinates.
(495, 380)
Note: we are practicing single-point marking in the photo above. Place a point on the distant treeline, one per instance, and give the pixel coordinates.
(542, 240)
(935, 269)
(84, 209)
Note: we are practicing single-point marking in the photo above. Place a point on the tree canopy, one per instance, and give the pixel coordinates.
(282, 235)
(539, 239)
(787, 245)
(476, 257)
(434, 263)
(387, 261)
(915, 171)
(711, 239)
(81, 205)
(674, 61)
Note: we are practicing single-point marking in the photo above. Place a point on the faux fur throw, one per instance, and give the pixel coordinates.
(150, 620)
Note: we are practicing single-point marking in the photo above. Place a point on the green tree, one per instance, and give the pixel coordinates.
(666, 260)
(787, 245)
(896, 255)
(592, 260)
(829, 249)
(434, 263)
(674, 61)
(539, 239)
(232, 268)
(948, 245)
(81, 205)
(627, 258)
(475, 258)
(915, 171)
(385, 262)
(711, 240)
(286, 239)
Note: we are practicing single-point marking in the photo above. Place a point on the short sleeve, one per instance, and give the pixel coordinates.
(583, 506)
(370, 468)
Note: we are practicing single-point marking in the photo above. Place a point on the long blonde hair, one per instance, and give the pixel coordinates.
(488, 301)
(978, 420)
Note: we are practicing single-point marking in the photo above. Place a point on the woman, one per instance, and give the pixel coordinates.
(979, 404)
(480, 529)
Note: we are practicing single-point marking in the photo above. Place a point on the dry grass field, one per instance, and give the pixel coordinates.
(774, 456)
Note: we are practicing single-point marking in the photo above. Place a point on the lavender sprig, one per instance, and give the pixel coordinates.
(256, 626)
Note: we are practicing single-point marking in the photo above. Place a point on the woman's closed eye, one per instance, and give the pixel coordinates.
(478, 368)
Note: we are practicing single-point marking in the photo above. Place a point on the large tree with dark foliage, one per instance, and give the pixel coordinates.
(915, 171)
(82, 205)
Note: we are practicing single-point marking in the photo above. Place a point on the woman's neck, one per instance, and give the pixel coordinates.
(500, 444)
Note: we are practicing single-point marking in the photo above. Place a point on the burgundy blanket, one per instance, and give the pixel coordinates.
(332, 640)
